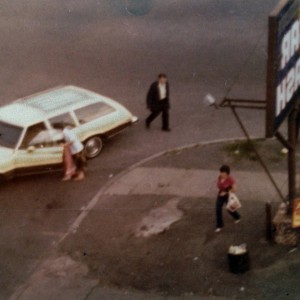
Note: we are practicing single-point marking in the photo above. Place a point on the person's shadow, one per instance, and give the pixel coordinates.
(135, 7)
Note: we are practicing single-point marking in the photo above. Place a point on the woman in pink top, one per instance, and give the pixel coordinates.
(225, 184)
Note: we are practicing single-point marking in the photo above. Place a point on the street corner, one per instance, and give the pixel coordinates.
(193, 72)
(153, 226)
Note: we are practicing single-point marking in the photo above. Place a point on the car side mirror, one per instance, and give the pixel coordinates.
(30, 149)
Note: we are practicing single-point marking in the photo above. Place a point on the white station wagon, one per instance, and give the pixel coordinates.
(31, 128)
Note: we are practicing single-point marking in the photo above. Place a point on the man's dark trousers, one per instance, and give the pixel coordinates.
(163, 108)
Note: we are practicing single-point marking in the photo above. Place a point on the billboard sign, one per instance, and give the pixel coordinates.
(283, 73)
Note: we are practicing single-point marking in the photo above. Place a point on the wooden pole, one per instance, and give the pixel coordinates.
(269, 226)
(292, 159)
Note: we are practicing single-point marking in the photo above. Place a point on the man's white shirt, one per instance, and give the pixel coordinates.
(70, 137)
(162, 91)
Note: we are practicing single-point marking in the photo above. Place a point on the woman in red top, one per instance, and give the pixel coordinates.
(225, 184)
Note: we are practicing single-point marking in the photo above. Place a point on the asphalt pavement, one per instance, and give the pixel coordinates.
(149, 234)
(204, 46)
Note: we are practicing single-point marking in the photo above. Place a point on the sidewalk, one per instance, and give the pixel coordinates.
(151, 236)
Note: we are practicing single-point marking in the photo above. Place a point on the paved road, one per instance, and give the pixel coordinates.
(204, 46)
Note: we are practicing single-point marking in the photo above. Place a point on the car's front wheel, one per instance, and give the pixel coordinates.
(5, 178)
(93, 146)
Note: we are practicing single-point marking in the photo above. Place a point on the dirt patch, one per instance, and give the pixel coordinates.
(188, 258)
(159, 219)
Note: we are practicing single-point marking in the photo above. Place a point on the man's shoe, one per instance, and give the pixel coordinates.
(166, 129)
(218, 230)
(147, 125)
(237, 221)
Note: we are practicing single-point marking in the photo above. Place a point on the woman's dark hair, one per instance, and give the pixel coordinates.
(162, 75)
(225, 169)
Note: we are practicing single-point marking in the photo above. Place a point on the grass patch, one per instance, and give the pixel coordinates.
(277, 158)
(243, 150)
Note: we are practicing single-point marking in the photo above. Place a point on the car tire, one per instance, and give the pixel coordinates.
(93, 147)
(4, 178)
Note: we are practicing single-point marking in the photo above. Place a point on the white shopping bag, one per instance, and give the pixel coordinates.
(233, 203)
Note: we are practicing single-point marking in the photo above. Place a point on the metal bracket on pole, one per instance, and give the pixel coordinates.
(233, 104)
(284, 141)
(244, 103)
(289, 143)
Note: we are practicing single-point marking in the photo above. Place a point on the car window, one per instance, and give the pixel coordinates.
(61, 121)
(9, 135)
(93, 111)
(39, 136)
(47, 138)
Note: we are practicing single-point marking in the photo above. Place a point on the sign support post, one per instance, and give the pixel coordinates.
(283, 84)
(283, 87)
(292, 158)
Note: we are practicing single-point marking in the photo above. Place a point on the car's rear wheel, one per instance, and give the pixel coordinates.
(93, 146)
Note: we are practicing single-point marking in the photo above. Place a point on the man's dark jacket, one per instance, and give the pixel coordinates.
(153, 99)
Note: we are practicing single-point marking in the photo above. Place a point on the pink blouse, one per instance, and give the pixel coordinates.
(225, 185)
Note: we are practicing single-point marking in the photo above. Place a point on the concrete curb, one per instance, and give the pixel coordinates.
(85, 211)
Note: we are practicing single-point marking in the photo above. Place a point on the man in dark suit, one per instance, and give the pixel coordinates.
(158, 101)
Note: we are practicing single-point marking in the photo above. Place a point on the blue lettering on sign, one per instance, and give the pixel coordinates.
(288, 76)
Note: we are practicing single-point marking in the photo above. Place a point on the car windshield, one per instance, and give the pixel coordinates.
(9, 135)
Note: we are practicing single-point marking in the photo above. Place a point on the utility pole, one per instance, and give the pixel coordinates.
(292, 157)
(283, 59)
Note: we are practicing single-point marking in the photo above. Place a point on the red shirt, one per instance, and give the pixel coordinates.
(225, 185)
